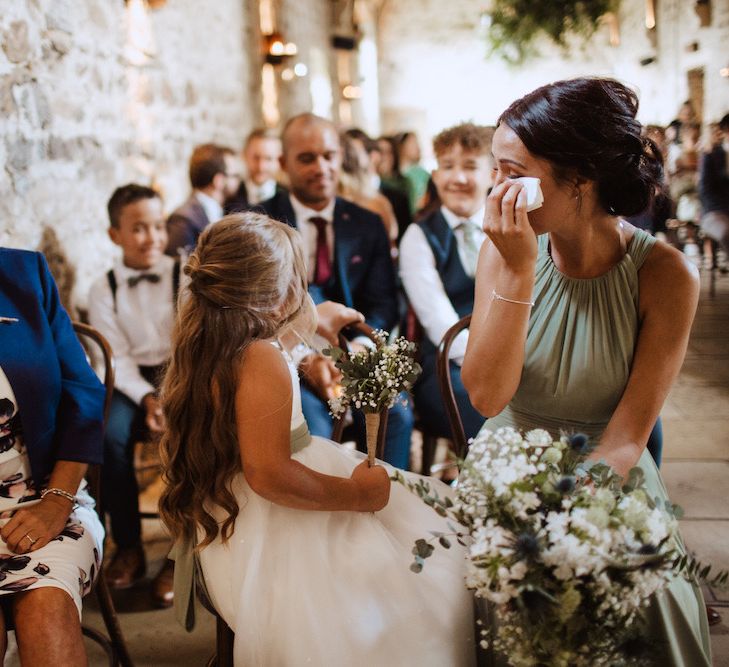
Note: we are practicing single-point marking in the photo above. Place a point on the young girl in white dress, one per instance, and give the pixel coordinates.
(303, 548)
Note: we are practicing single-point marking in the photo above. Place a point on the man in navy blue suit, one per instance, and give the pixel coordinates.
(348, 258)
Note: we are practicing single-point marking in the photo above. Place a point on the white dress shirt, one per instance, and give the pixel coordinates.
(309, 232)
(258, 193)
(213, 210)
(139, 330)
(423, 284)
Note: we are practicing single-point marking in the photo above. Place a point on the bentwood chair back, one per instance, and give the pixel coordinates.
(460, 443)
(360, 329)
(114, 646)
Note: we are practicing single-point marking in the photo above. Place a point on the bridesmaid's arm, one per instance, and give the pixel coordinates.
(494, 357)
(669, 292)
(263, 417)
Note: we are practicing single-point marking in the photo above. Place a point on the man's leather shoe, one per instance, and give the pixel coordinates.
(162, 586)
(126, 568)
(713, 616)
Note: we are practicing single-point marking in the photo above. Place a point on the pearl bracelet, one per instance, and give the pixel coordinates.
(498, 297)
(59, 492)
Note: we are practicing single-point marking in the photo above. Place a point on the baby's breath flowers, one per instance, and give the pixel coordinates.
(565, 551)
(373, 378)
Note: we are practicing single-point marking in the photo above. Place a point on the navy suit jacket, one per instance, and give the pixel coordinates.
(185, 225)
(364, 277)
(60, 399)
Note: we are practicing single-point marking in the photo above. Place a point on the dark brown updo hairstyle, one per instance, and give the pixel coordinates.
(587, 128)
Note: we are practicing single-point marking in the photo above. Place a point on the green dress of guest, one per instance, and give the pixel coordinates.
(579, 350)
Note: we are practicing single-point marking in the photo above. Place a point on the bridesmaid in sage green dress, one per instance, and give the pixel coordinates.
(581, 321)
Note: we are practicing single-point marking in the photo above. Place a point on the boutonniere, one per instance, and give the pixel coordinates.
(356, 259)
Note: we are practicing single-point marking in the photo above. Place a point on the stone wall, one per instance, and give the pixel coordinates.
(89, 101)
(434, 71)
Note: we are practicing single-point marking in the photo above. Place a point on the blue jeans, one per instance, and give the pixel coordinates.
(119, 489)
(399, 426)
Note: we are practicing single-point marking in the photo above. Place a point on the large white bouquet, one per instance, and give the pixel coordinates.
(566, 553)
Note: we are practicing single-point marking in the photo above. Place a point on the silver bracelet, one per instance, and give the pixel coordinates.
(498, 297)
(59, 492)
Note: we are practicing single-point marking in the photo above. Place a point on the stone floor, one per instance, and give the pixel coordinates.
(696, 471)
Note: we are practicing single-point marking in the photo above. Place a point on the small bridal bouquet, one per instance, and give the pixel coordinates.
(564, 550)
(372, 379)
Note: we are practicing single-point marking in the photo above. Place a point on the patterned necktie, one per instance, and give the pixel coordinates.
(323, 265)
(471, 247)
(133, 281)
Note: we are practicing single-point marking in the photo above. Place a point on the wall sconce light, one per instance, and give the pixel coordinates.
(350, 92)
(151, 4)
(276, 49)
(724, 71)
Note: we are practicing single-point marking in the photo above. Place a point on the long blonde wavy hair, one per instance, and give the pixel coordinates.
(247, 282)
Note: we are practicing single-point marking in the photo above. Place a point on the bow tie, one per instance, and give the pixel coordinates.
(133, 281)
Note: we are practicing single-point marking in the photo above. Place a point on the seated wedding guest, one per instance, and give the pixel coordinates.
(261, 153)
(356, 184)
(133, 306)
(408, 155)
(570, 315)
(714, 189)
(51, 426)
(438, 258)
(397, 197)
(348, 261)
(214, 178)
(271, 517)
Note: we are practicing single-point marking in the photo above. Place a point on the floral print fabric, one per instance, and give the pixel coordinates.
(71, 560)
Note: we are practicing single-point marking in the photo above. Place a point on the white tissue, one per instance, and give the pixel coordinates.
(535, 198)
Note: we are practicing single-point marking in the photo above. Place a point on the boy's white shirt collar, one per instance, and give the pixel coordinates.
(453, 220)
(160, 266)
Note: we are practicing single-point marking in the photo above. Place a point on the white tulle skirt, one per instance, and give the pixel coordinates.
(323, 589)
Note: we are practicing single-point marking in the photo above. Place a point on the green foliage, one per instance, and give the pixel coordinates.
(517, 24)
(373, 378)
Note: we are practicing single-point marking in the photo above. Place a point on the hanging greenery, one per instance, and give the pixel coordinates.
(516, 24)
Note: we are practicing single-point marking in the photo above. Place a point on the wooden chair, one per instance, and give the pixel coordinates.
(114, 646)
(361, 329)
(460, 443)
(224, 637)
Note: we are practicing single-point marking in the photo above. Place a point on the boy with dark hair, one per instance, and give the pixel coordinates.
(133, 306)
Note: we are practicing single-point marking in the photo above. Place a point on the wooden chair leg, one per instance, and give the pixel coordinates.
(111, 621)
(224, 638)
(430, 443)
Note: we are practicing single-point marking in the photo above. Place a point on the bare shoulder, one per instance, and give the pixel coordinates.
(262, 359)
(668, 277)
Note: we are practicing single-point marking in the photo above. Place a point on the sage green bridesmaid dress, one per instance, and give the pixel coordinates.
(579, 350)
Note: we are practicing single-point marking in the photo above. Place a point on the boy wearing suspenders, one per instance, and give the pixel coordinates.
(133, 306)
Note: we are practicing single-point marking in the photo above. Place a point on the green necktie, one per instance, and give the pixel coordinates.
(471, 247)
